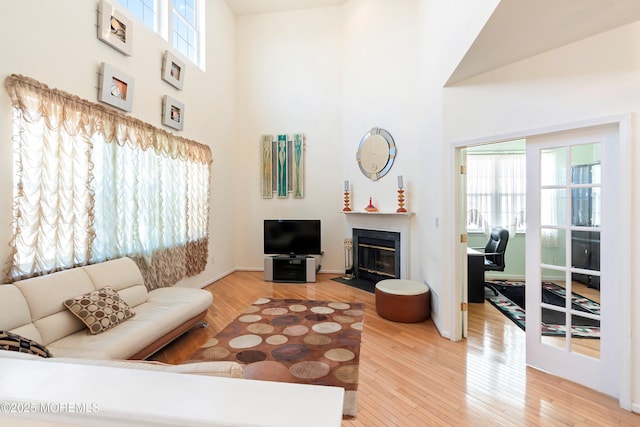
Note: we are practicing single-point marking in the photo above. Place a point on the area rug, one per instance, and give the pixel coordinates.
(297, 341)
(510, 301)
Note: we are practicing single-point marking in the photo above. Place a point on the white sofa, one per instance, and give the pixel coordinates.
(34, 393)
(34, 309)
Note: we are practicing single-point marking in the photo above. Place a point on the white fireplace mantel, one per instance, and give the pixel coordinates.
(398, 222)
(378, 213)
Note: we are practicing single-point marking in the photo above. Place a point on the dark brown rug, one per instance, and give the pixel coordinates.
(297, 341)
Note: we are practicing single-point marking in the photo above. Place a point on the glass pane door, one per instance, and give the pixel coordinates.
(571, 200)
(570, 207)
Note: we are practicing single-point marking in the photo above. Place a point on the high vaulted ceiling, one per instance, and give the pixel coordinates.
(249, 7)
(519, 29)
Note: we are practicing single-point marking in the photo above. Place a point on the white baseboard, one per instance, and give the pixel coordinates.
(438, 324)
(216, 278)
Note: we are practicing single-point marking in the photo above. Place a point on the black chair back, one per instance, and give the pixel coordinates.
(495, 249)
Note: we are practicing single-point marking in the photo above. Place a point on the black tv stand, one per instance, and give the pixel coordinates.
(290, 268)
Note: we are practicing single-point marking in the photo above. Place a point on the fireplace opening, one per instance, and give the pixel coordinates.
(376, 255)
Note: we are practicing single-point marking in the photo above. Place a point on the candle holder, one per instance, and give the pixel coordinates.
(401, 200)
(346, 202)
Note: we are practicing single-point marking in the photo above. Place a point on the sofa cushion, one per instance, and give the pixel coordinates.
(14, 342)
(45, 294)
(166, 309)
(15, 315)
(121, 275)
(14, 311)
(99, 310)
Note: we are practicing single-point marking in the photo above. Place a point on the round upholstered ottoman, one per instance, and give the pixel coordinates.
(404, 301)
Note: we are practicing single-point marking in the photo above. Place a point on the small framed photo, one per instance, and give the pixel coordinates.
(115, 87)
(173, 70)
(114, 28)
(172, 113)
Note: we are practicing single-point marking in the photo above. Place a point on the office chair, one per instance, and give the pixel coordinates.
(494, 259)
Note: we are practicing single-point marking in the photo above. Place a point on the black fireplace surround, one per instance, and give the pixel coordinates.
(376, 255)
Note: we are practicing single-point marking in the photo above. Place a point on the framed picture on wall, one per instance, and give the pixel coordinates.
(173, 70)
(115, 87)
(172, 113)
(297, 165)
(282, 168)
(267, 166)
(114, 28)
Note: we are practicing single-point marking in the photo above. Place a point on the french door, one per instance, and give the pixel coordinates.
(572, 287)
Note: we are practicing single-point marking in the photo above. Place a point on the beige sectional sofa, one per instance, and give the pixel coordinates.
(34, 309)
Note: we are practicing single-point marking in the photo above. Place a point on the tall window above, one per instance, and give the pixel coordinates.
(179, 21)
(144, 10)
(185, 28)
(496, 191)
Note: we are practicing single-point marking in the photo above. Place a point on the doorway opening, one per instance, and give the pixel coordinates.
(496, 197)
(561, 206)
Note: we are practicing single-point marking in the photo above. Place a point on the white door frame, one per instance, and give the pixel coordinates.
(624, 161)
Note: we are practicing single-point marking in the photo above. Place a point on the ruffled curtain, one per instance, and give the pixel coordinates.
(92, 184)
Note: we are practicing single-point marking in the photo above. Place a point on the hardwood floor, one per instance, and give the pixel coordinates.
(411, 376)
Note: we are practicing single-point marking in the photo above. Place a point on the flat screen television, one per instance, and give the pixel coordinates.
(292, 237)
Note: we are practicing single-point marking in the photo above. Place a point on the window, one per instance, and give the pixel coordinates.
(181, 20)
(144, 10)
(185, 28)
(91, 184)
(496, 191)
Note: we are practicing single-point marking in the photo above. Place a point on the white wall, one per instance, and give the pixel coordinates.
(55, 42)
(333, 74)
(381, 66)
(380, 74)
(446, 30)
(289, 68)
(593, 78)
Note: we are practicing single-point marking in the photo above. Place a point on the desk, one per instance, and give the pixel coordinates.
(475, 276)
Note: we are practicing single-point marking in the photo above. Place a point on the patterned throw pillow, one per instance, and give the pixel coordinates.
(99, 310)
(14, 342)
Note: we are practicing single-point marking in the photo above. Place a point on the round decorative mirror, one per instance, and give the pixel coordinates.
(376, 153)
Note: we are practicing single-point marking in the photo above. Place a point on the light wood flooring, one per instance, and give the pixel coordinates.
(411, 376)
